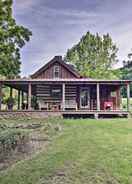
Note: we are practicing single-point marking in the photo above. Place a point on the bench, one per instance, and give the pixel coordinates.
(70, 104)
(43, 105)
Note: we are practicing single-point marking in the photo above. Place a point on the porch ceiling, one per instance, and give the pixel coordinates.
(19, 86)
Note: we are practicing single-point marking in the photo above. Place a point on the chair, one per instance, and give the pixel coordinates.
(70, 104)
(42, 105)
(108, 105)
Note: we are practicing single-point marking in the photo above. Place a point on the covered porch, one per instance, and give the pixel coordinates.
(67, 95)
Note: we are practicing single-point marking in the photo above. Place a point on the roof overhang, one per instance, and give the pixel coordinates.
(80, 80)
(22, 84)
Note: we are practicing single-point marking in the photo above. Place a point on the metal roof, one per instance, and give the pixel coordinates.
(66, 80)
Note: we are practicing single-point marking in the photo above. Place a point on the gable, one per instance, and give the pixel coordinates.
(56, 68)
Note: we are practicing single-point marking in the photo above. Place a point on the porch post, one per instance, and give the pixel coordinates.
(0, 95)
(118, 98)
(98, 97)
(63, 96)
(19, 92)
(11, 92)
(29, 95)
(128, 97)
(22, 98)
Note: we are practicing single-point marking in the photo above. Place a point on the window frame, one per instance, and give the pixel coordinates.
(55, 92)
(56, 70)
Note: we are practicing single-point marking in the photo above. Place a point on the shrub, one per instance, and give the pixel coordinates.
(11, 140)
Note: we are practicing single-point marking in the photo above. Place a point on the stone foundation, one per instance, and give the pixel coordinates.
(30, 114)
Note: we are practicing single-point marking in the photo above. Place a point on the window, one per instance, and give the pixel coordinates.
(56, 91)
(56, 71)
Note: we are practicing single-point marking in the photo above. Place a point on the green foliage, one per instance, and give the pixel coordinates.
(124, 104)
(6, 97)
(12, 39)
(126, 73)
(10, 100)
(128, 63)
(94, 56)
(10, 139)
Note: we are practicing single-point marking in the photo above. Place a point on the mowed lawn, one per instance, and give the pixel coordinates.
(84, 152)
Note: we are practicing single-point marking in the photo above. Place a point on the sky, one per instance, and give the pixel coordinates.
(59, 24)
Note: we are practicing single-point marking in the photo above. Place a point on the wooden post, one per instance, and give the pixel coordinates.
(98, 97)
(0, 95)
(128, 97)
(11, 92)
(22, 99)
(118, 98)
(29, 95)
(63, 96)
(26, 101)
(19, 93)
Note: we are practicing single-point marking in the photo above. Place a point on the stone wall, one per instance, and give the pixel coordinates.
(32, 114)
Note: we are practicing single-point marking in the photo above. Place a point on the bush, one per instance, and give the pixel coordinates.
(11, 140)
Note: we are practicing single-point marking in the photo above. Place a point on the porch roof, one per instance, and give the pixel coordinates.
(22, 84)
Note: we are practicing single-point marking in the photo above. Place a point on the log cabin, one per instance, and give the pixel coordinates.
(58, 87)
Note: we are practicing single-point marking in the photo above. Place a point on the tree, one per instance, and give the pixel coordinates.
(12, 39)
(128, 63)
(126, 72)
(94, 56)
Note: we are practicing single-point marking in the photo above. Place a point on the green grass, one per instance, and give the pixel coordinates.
(85, 152)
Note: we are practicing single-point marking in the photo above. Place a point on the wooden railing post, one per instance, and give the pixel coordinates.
(128, 97)
(0, 96)
(98, 97)
(63, 96)
(29, 95)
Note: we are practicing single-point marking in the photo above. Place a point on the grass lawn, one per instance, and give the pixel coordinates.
(84, 152)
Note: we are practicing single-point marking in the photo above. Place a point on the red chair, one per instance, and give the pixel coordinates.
(108, 105)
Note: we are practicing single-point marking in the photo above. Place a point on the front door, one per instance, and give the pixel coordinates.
(85, 98)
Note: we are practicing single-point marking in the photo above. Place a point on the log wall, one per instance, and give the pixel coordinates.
(72, 92)
(44, 92)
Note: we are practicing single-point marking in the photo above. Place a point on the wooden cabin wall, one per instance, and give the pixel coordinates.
(105, 95)
(48, 73)
(43, 92)
(72, 92)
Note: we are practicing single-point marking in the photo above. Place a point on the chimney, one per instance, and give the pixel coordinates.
(58, 58)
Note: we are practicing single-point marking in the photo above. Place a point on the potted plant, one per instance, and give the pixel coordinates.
(10, 103)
